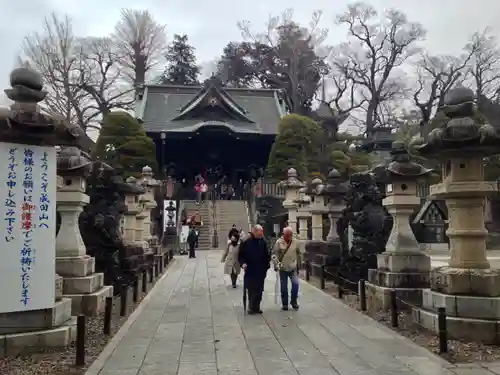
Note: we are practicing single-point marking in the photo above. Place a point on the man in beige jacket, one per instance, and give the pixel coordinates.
(287, 254)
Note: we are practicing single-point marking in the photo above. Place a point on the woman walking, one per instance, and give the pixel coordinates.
(230, 258)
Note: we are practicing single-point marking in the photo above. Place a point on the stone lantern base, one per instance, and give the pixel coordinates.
(83, 285)
(471, 298)
(405, 272)
(29, 331)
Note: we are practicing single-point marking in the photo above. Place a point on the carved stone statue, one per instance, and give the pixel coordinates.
(369, 225)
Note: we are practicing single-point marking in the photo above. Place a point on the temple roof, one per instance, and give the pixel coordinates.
(172, 108)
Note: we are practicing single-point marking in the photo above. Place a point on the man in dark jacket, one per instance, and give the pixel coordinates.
(191, 240)
(255, 259)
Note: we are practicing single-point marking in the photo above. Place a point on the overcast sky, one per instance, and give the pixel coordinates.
(211, 24)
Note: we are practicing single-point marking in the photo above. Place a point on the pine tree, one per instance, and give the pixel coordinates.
(181, 63)
(124, 145)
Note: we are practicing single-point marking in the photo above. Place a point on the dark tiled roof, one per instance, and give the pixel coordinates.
(162, 103)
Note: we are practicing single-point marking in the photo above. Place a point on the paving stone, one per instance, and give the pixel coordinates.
(195, 324)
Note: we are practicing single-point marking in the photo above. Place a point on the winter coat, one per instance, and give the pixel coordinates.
(253, 252)
(230, 258)
(288, 259)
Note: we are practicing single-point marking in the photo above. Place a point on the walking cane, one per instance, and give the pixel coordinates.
(244, 293)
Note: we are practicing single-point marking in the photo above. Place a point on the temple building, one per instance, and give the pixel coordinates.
(211, 130)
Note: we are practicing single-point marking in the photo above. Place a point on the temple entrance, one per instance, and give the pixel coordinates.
(219, 155)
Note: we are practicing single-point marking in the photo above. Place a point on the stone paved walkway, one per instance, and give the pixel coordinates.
(192, 323)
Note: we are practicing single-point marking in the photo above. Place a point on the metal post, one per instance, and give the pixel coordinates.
(322, 277)
(123, 300)
(81, 323)
(145, 281)
(362, 294)
(135, 290)
(443, 335)
(308, 270)
(151, 274)
(108, 310)
(394, 309)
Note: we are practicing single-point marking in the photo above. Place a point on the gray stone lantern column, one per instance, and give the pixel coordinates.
(318, 207)
(291, 185)
(334, 191)
(403, 266)
(303, 200)
(467, 288)
(81, 283)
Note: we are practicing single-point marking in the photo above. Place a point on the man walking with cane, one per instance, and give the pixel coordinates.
(286, 256)
(255, 260)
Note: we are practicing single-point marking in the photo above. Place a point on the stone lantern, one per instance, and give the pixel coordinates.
(403, 266)
(334, 191)
(32, 312)
(133, 208)
(149, 183)
(467, 288)
(303, 213)
(292, 185)
(317, 208)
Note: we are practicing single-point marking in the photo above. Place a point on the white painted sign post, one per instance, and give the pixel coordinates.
(28, 228)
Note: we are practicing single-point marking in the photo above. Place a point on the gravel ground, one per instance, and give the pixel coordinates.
(458, 351)
(62, 361)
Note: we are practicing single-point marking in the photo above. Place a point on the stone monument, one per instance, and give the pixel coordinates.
(402, 266)
(467, 288)
(32, 313)
(317, 208)
(291, 185)
(303, 200)
(149, 184)
(81, 283)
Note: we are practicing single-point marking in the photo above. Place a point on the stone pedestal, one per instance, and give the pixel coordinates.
(468, 288)
(403, 266)
(80, 282)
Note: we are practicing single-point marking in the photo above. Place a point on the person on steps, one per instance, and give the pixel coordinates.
(192, 240)
(287, 254)
(230, 258)
(255, 260)
(233, 232)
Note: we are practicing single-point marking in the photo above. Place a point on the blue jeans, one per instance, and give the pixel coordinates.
(284, 276)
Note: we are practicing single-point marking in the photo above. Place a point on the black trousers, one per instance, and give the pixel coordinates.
(255, 288)
(234, 277)
(191, 250)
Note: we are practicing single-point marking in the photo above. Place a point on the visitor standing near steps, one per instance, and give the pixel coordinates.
(287, 254)
(230, 258)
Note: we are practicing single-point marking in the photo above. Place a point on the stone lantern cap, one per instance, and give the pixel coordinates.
(73, 161)
(461, 133)
(292, 181)
(147, 177)
(335, 186)
(24, 122)
(303, 198)
(402, 167)
(132, 187)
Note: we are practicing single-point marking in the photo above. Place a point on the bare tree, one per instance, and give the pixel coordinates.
(100, 76)
(288, 56)
(53, 53)
(436, 76)
(141, 43)
(377, 47)
(484, 65)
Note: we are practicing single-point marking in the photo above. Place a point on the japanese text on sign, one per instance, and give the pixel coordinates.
(29, 227)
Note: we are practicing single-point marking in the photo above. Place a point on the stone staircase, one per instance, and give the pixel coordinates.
(229, 213)
(205, 238)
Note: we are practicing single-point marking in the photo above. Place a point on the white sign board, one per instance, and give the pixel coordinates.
(28, 232)
(184, 234)
(169, 213)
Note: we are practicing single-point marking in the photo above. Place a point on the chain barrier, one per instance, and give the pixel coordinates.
(395, 301)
